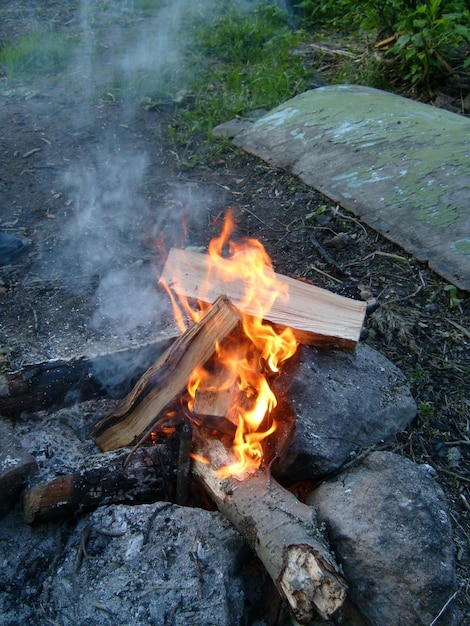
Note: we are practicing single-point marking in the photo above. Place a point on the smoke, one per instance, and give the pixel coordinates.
(104, 250)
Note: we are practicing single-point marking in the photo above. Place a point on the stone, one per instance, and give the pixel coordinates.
(402, 166)
(11, 247)
(388, 523)
(145, 564)
(466, 103)
(228, 130)
(343, 403)
(16, 467)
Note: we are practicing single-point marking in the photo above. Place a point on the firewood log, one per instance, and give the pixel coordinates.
(283, 532)
(317, 316)
(134, 417)
(61, 382)
(107, 479)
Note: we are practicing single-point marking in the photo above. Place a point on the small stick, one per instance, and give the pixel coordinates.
(326, 255)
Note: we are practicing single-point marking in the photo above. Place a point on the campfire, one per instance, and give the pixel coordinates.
(240, 323)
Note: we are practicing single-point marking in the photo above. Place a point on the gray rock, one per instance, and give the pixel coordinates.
(149, 564)
(344, 402)
(228, 130)
(466, 103)
(388, 523)
(16, 466)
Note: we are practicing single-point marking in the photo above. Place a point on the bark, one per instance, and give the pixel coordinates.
(108, 479)
(317, 316)
(283, 532)
(135, 416)
(58, 383)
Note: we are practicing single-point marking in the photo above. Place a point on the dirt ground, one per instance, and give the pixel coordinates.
(86, 179)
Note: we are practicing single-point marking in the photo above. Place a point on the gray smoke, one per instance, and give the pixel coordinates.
(104, 249)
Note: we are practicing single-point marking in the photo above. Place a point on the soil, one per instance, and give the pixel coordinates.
(89, 183)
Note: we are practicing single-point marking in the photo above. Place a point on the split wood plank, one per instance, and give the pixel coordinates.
(135, 416)
(317, 316)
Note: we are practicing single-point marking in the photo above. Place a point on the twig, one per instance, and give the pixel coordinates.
(151, 521)
(258, 218)
(410, 295)
(193, 555)
(444, 63)
(387, 255)
(316, 269)
(465, 502)
(31, 152)
(385, 44)
(459, 327)
(326, 255)
(343, 216)
(103, 607)
(444, 608)
(81, 552)
(454, 475)
(334, 52)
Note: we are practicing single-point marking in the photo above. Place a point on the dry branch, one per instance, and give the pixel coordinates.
(106, 480)
(317, 316)
(282, 531)
(136, 414)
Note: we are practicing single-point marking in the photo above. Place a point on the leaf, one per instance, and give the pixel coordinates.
(402, 41)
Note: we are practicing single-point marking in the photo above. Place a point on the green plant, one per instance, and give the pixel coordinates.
(454, 300)
(425, 413)
(428, 34)
(431, 34)
(240, 61)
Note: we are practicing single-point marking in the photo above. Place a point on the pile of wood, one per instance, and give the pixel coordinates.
(280, 529)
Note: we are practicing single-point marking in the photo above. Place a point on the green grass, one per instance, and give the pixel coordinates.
(42, 52)
(240, 61)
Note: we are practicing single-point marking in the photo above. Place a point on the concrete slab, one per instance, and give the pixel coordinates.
(401, 166)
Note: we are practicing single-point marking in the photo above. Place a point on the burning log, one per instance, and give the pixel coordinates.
(135, 416)
(147, 477)
(317, 316)
(282, 531)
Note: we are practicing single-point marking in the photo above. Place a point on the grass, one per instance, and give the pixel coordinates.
(42, 52)
(239, 61)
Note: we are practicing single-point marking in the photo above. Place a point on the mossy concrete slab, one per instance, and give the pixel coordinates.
(401, 166)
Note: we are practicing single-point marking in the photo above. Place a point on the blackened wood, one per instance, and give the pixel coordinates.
(107, 479)
(59, 383)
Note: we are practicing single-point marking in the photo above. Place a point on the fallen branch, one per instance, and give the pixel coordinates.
(282, 531)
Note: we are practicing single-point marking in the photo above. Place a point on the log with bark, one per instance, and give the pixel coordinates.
(107, 479)
(283, 532)
(62, 382)
(136, 415)
(318, 317)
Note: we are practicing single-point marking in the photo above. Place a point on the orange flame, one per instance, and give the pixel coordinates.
(247, 364)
